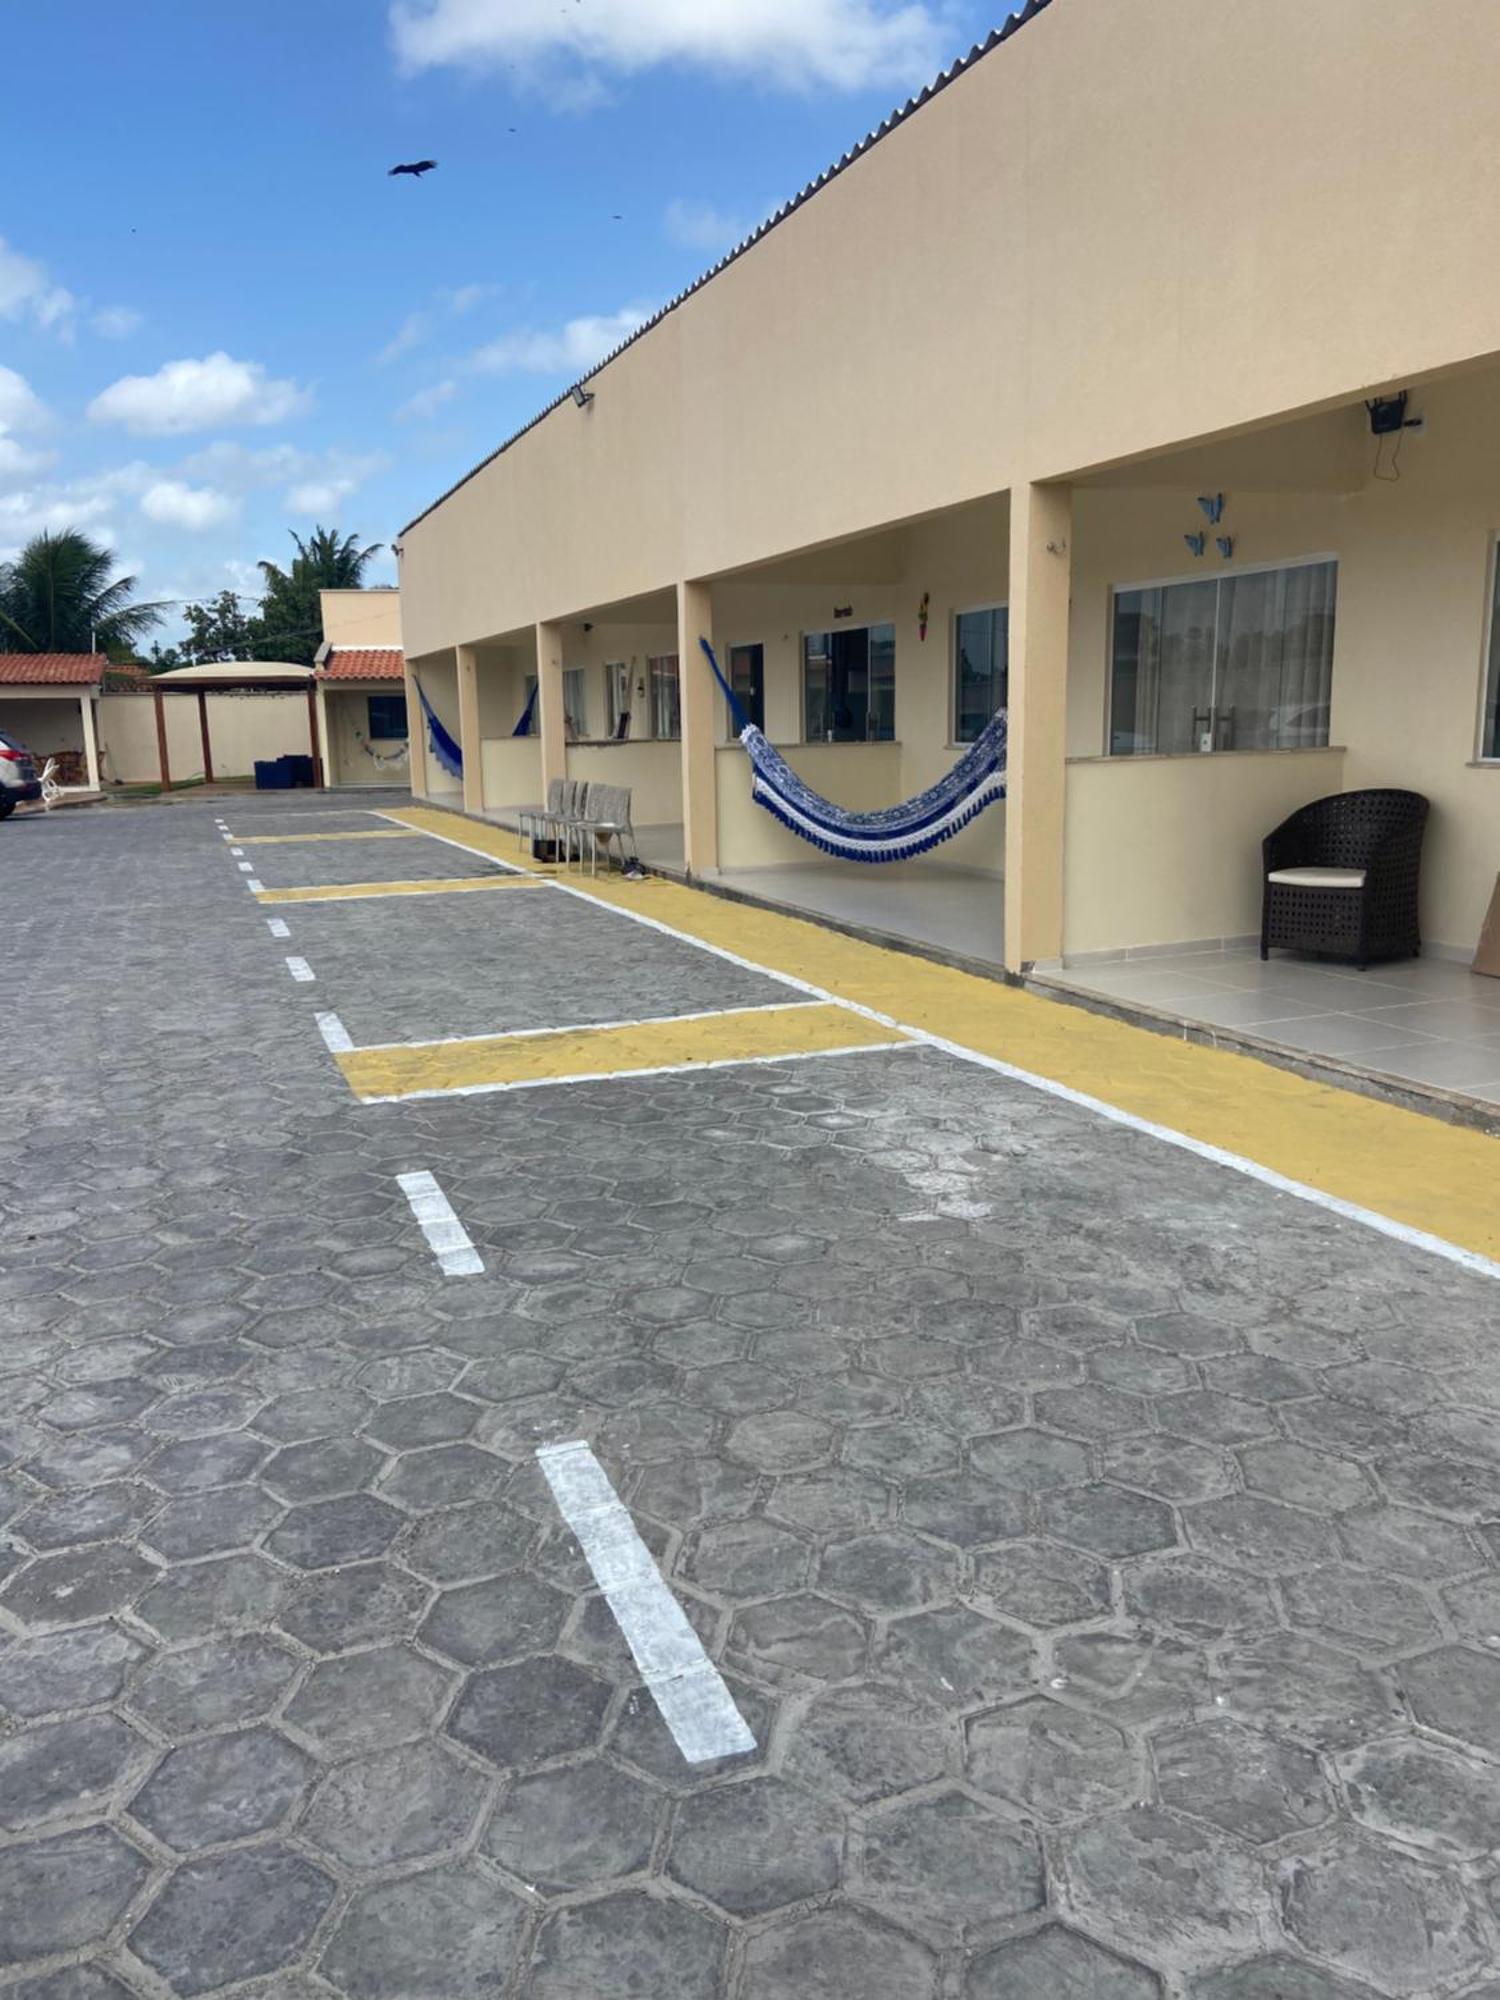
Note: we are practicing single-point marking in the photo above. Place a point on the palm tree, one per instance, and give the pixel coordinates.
(58, 596)
(289, 607)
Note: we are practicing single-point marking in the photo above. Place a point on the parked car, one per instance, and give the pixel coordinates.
(18, 775)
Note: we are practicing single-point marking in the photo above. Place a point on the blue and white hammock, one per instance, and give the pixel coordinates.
(448, 753)
(896, 833)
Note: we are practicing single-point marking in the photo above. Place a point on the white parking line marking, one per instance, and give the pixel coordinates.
(301, 971)
(253, 885)
(569, 1027)
(245, 867)
(446, 1235)
(335, 1034)
(236, 852)
(695, 1704)
(634, 1075)
(278, 928)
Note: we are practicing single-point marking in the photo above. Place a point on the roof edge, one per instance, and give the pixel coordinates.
(1023, 15)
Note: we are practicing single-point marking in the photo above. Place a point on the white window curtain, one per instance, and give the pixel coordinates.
(1241, 662)
(666, 702)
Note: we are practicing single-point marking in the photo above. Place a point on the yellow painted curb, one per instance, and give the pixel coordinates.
(351, 892)
(1414, 1169)
(497, 1062)
(298, 839)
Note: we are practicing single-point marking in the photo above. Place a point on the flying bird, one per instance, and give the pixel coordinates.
(416, 168)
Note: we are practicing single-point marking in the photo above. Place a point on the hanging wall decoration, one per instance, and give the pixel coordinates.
(922, 609)
(1196, 544)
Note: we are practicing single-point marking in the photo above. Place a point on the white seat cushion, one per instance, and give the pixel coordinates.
(1319, 878)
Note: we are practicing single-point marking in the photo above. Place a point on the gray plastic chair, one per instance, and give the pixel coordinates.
(603, 821)
(549, 822)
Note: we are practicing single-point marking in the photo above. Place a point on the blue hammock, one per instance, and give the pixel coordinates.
(896, 833)
(523, 727)
(447, 752)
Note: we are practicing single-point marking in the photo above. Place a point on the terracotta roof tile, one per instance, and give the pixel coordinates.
(55, 669)
(363, 663)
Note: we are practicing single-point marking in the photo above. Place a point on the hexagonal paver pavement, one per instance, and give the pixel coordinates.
(394, 1805)
(232, 1916)
(1142, 1876)
(752, 1848)
(1400, 1924)
(1099, 1547)
(834, 1954)
(224, 1788)
(950, 1869)
(1062, 1965)
(575, 1826)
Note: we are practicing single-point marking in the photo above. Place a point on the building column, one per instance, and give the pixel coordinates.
(697, 698)
(90, 740)
(314, 737)
(468, 728)
(162, 758)
(551, 717)
(208, 748)
(1041, 568)
(330, 775)
(416, 735)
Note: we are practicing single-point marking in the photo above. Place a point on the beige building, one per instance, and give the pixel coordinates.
(1055, 394)
(362, 693)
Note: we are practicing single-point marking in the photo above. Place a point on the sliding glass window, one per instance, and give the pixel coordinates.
(1242, 662)
(980, 670)
(849, 685)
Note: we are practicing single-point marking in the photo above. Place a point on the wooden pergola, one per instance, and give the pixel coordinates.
(233, 677)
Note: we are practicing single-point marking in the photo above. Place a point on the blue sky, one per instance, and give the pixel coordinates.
(219, 319)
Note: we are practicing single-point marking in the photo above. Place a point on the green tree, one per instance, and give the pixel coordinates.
(59, 596)
(219, 630)
(290, 616)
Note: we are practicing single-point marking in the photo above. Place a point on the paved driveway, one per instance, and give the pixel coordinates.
(1002, 1557)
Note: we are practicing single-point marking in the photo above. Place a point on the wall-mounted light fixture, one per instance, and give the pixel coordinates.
(581, 396)
(1196, 544)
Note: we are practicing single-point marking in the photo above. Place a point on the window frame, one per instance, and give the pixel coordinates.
(403, 735)
(732, 735)
(617, 680)
(1217, 575)
(955, 741)
(654, 661)
(1489, 662)
(575, 680)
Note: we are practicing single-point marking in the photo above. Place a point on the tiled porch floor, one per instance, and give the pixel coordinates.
(1425, 1021)
(946, 908)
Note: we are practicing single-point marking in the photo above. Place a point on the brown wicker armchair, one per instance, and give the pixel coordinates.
(1341, 878)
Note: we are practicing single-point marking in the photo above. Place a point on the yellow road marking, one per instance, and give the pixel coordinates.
(501, 1062)
(348, 892)
(294, 839)
(1414, 1169)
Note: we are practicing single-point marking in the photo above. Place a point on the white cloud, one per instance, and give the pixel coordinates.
(796, 45)
(570, 350)
(177, 505)
(116, 322)
(698, 225)
(17, 461)
(464, 298)
(27, 292)
(411, 333)
(319, 496)
(28, 513)
(21, 409)
(427, 402)
(195, 395)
